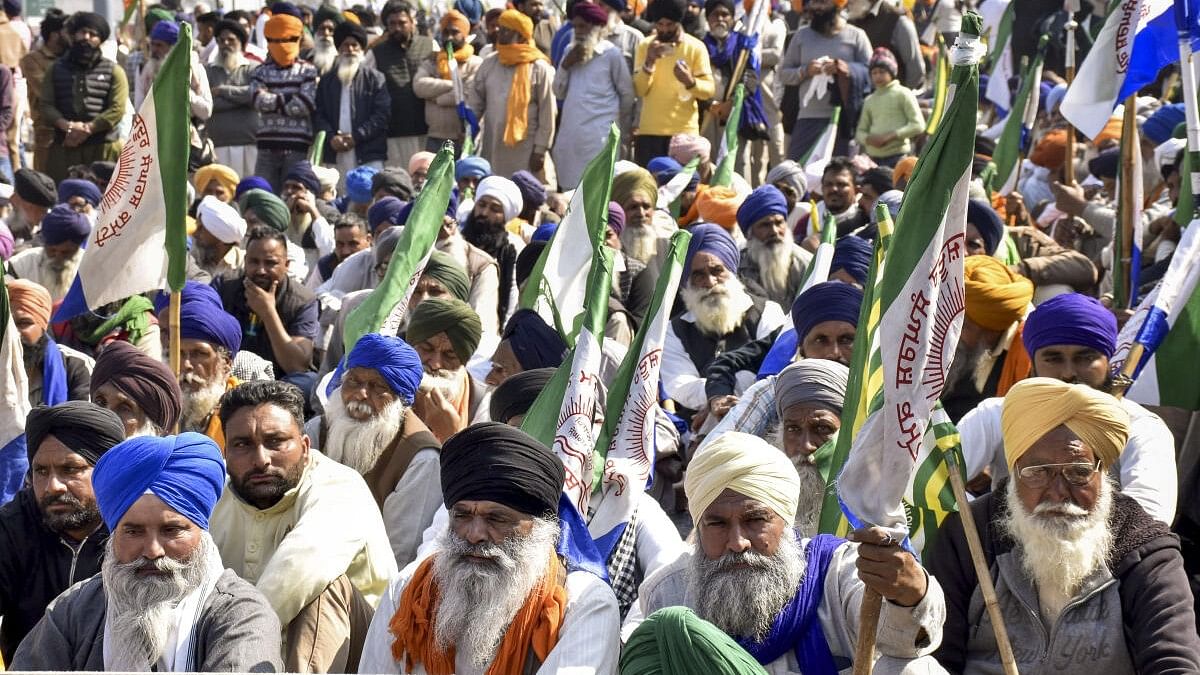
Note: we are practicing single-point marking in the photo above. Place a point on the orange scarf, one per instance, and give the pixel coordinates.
(522, 55)
(1017, 364)
(460, 55)
(535, 625)
(214, 430)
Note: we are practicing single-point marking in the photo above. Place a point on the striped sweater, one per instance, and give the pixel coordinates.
(285, 99)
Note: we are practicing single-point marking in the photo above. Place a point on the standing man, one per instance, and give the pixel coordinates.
(513, 93)
(234, 125)
(34, 67)
(284, 91)
(398, 57)
(671, 75)
(353, 105)
(434, 84)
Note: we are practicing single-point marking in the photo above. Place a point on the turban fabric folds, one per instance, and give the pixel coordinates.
(533, 191)
(515, 395)
(826, 301)
(903, 169)
(77, 187)
(302, 173)
(384, 210)
(853, 254)
(504, 191)
(714, 240)
(84, 427)
(165, 31)
(1158, 126)
(494, 462)
(817, 381)
(766, 200)
(30, 298)
(472, 167)
(1071, 319)
(1036, 406)
(90, 20)
(663, 169)
(349, 29)
(284, 27)
(221, 220)
(393, 359)
(203, 318)
(149, 383)
(616, 217)
(791, 173)
(458, 20)
(517, 22)
(451, 316)
(683, 148)
(63, 223)
(987, 221)
(443, 268)
(358, 183)
(747, 465)
(185, 471)
(270, 209)
(35, 187)
(251, 183)
(593, 13)
(534, 343)
(997, 297)
(674, 641)
(1051, 151)
(225, 177)
(720, 205)
(634, 182)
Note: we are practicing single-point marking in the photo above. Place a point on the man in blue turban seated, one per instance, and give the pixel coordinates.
(720, 315)
(772, 259)
(528, 342)
(81, 195)
(163, 599)
(370, 427)
(791, 601)
(301, 527)
(54, 263)
(1071, 337)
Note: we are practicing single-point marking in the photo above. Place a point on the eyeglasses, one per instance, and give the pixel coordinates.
(1077, 474)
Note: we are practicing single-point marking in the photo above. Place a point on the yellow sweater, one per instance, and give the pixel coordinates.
(669, 108)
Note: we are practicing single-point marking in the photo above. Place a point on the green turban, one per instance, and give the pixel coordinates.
(327, 12)
(155, 15)
(632, 182)
(270, 209)
(674, 641)
(443, 268)
(451, 316)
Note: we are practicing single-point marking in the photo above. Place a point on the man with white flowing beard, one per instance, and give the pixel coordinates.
(162, 600)
(772, 259)
(647, 229)
(495, 596)
(721, 315)
(1087, 581)
(325, 50)
(234, 121)
(353, 105)
(53, 264)
(445, 332)
(163, 37)
(791, 601)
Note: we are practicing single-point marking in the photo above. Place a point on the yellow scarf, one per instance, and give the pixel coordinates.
(460, 55)
(521, 55)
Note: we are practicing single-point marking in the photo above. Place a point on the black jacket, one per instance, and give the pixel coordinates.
(35, 566)
(370, 111)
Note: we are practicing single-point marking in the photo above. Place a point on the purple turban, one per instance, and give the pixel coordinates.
(62, 223)
(828, 301)
(533, 191)
(592, 13)
(185, 471)
(714, 240)
(385, 209)
(534, 343)
(77, 187)
(302, 172)
(147, 381)
(393, 359)
(853, 254)
(251, 183)
(766, 200)
(1071, 319)
(616, 217)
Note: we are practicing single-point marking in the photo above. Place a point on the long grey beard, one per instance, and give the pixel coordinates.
(347, 68)
(743, 602)
(357, 444)
(444, 380)
(812, 487)
(58, 275)
(639, 242)
(200, 398)
(230, 60)
(139, 615)
(774, 263)
(718, 310)
(589, 43)
(324, 54)
(966, 359)
(479, 600)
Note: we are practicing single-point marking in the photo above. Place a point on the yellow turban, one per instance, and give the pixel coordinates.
(516, 22)
(1110, 132)
(997, 297)
(1036, 406)
(747, 465)
(224, 175)
(719, 205)
(632, 182)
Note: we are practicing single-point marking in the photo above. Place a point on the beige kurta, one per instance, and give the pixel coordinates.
(488, 97)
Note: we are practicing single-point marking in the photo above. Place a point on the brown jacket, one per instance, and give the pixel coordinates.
(414, 437)
(1044, 262)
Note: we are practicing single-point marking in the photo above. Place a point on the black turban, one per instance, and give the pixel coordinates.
(349, 29)
(527, 259)
(90, 20)
(148, 382)
(515, 396)
(395, 181)
(35, 187)
(535, 344)
(494, 462)
(672, 10)
(82, 426)
(234, 27)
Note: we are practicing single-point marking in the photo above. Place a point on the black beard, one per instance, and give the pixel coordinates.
(84, 515)
(823, 21)
(84, 54)
(491, 238)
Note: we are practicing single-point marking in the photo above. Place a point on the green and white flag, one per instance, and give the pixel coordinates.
(668, 195)
(142, 216)
(729, 142)
(1018, 127)
(1001, 57)
(818, 269)
(821, 152)
(386, 307)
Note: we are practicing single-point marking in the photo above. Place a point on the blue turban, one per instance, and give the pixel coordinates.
(392, 358)
(251, 183)
(892, 200)
(472, 167)
(1071, 319)
(287, 8)
(472, 9)
(76, 187)
(663, 169)
(534, 343)
(202, 317)
(828, 301)
(714, 240)
(185, 471)
(766, 200)
(384, 210)
(987, 221)
(544, 231)
(853, 254)
(63, 223)
(358, 184)
(165, 31)
(1158, 127)
(302, 172)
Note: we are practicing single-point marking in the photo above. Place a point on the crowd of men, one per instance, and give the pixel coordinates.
(283, 503)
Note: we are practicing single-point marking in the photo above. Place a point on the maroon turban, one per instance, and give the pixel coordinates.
(146, 381)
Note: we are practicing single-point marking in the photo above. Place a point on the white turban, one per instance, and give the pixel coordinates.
(749, 466)
(504, 191)
(221, 220)
(328, 177)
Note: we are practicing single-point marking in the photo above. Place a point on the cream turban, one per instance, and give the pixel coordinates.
(1036, 406)
(747, 465)
(328, 177)
(221, 220)
(504, 191)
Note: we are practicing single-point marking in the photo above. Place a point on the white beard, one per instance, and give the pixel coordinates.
(357, 444)
(200, 399)
(150, 69)
(589, 43)
(325, 53)
(140, 612)
(744, 602)
(639, 242)
(1060, 545)
(148, 428)
(719, 32)
(479, 600)
(231, 59)
(812, 487)
(347, 68)
(718, 310)
(448, 382)
(774, 263)
(57, 276)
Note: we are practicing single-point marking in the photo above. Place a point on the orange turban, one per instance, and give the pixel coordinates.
(1110, 132)
(455, 17)
(719, 205)
(904, 168)
(516, 22)
(997, 297)
(1051, 151)
(284, 27)
(30, 298)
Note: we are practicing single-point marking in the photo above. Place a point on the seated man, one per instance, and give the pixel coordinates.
(369, 426)
(300, 527)
(495, 595)
(53, 264)
(217, 241)
(142, 391)
(51, 534)
(350, 235)
(497, 201)
(81, 195)
(527, 343)
(445, 333)
(513, 398)
(442, 277)
(55, 372)
(1071, 337)
(162, 600)
(793, 603)
(772, 259)
(1087, 582)
(646, 231)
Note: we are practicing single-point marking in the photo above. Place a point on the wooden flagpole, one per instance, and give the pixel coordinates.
(1071, 6)
(1123, 259)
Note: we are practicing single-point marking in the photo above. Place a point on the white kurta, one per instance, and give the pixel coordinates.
(593, 95)
(488, 96)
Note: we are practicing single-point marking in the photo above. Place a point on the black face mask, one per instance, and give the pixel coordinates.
(84, 54)
(823, 21)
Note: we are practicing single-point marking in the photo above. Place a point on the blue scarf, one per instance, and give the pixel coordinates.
(54, 374)
(797, 626)
(722, 55)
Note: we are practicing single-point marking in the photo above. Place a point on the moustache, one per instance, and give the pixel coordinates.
(749, 559)
(1067, 509)
(65, 498)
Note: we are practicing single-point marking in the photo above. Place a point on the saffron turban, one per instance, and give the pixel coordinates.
(472, 167)
(903, 169)
(451, 316)
(686, 147)
(147, 382)
(77, 187)
(393, 359)
(63, 223)
(720, 205)
(443, 268)
(251, 183)
(221, 220)
(853, 254)
(634, 182)
(997, 297)
(185, 471)
(202, 317)
(1071, 319)
(302, 173)
(663, 169)
(1036, 406)
(674, 641)
(590, 12)
(1051, 151)
(270, 209)
(826, 301)
(747, 465)
(502, 190)
(1110, 132)
(534, 343)
(494, 462)
(384, 210)
(788, 171)
(84, 427)
(517, 22)
(457, 19)
(765, 200)
(984, 218)
(31, 298)
(818, 381)
(358, 184)
(515, 395)
(616, 217)
(714, 240)
(225, 177)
